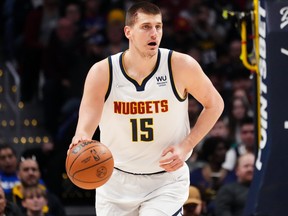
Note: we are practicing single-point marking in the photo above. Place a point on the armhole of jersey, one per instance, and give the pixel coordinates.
(110, 77)
(179, 97)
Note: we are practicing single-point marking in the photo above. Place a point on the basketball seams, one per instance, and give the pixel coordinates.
(91, 166)
(97, 163)
(79, 156)
(91, 182)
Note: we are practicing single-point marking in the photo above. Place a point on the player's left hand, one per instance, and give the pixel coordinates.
(172, 159)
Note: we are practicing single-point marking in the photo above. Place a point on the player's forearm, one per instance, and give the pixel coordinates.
(87, 123)
(205, 122)
(85, 129)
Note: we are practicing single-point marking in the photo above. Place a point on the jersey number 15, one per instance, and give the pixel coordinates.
(142, 129)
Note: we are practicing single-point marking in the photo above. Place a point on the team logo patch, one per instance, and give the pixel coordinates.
(161, 80)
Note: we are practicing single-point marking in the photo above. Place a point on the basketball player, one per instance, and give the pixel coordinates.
(139, 99)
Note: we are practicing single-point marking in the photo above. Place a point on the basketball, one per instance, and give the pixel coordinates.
(89, 164)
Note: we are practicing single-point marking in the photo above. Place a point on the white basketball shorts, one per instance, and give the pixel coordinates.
(143, 195)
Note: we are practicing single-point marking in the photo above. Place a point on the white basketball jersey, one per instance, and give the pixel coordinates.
(140, 120)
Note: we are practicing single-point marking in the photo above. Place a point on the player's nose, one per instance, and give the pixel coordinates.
(154, 32)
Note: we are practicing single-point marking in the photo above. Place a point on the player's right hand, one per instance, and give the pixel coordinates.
(75, 140)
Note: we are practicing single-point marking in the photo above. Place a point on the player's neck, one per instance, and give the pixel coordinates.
(135, 63)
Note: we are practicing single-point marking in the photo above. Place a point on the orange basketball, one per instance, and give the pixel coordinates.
(89, 164)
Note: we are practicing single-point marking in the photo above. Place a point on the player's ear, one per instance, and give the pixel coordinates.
(127, 31)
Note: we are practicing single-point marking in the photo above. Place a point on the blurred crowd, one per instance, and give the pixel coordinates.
(53, 44)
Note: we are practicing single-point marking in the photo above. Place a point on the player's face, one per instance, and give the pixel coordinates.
(145, 35)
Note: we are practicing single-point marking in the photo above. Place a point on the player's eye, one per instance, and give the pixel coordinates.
(146, 27)
(158, 27)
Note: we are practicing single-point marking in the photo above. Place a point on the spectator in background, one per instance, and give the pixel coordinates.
(8, 168)
(168, 31)
(230, 66)
(229, 60)
(44, 153)
(183, 34)
(34, 200)
(240, 109)
(177, 6)
(241, 79)
(63, 79)
(220, 129)
(8, 208)
(208, 35)
(246, 145)
(29, 175)
(241, 93)
(38, 27)
(94, 21)
(73, 12)
(231, 198)
(211, 176)
(194, 206)
(195, 52)
(13, 16)
(116, 40)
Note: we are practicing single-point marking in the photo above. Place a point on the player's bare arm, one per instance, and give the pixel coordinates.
(92, 102)
(190, 78)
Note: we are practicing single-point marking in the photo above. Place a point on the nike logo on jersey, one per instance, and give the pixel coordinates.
(121, 85)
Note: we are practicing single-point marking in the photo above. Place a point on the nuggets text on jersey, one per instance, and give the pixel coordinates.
(140, 107)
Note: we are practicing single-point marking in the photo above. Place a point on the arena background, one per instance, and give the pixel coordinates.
(268, 192)
(268, 22)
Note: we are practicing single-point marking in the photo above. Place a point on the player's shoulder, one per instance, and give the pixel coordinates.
(182, 57)
(100, 65)
(104, 64)
(98, 73)
(182, 61)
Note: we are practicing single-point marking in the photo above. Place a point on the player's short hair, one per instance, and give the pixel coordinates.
(140, 7)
